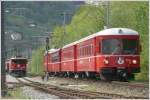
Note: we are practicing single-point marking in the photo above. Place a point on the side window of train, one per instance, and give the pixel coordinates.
(100, 47)
(64, 55)
(85, 51)
(55, 57)
(82, 52)
(79, 52)
(91, 49)
(48, 59)
(88, 49)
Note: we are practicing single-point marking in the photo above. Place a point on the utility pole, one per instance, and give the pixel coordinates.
(3, 74)
(47, 48)
(64, 14)
(106, 15)
(64, 22)
(64, 27)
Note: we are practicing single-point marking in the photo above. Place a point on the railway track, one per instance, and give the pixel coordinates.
(65, 93)
(132, 85)
(127, 84)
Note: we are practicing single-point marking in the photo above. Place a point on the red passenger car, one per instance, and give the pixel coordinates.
(68, 59)
(16, 66)
(52, 61)
(109, 54)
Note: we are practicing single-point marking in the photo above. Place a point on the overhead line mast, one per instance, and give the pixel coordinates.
(106, 16)
(64, 14)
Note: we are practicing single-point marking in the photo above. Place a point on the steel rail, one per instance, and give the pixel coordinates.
(66, 93)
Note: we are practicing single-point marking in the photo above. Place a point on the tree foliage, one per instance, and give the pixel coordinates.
(36, 64)
(90, 19)
(135, 16)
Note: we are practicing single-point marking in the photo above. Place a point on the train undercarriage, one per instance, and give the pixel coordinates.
(107, 74)
(17, 73)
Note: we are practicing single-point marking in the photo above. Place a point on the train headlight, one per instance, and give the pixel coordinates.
(106, 61)
(134, 61)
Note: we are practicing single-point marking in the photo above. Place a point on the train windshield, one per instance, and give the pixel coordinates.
(19, 61)
(119, 46)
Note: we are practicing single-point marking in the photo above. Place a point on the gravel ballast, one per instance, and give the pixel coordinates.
(31, 93)
(97, 86)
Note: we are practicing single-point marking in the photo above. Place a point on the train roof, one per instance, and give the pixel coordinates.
(53, 50)
(111, 31)
(18, 58)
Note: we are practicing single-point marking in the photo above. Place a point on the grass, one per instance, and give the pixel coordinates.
(16, 93)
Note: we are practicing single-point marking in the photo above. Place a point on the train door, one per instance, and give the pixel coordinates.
(98, 61)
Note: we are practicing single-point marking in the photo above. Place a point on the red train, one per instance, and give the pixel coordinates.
(110, 54)
(16, 66)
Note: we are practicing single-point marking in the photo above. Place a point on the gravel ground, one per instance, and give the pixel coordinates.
(29, 92)
(10, 78)
(36, 94)
(92, 85)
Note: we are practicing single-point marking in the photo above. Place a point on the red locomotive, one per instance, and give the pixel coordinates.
(16, 66)
(109, 54)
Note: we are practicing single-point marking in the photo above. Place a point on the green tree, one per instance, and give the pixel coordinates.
(36, 64)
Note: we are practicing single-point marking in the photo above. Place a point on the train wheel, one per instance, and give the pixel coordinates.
(76, 76)
(61, 74)
(122, 76)
(106, 78)
(72, 75)
(122, 79)
(97, 77)
(83, 75)
(92, 75)
(102, 77)
(68, 74)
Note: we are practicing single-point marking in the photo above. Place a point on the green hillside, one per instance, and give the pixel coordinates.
(44, 15)
(32, 19)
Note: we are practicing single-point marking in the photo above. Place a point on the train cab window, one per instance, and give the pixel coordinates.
(130, 46)
(55, 57)
(111, 46)
(119, 46)
(19, 61)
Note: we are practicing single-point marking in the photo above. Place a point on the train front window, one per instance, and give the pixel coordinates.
(111, 46)
(119, 46)
(130, 46)
(19, 61)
